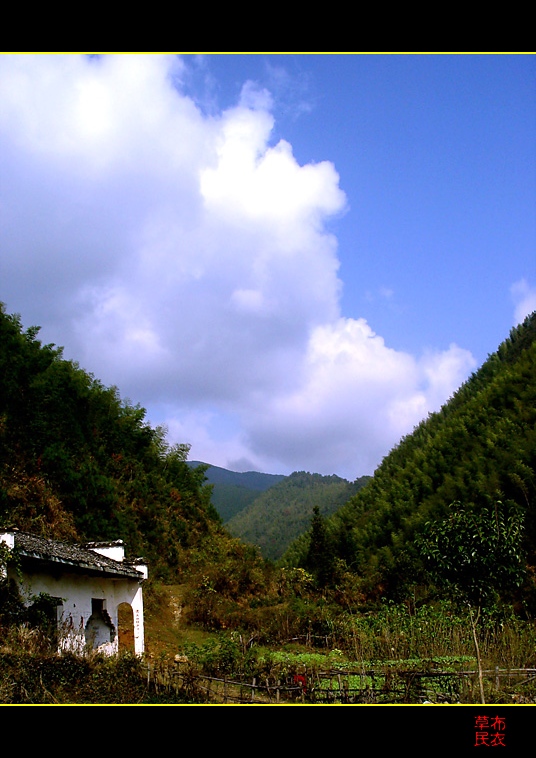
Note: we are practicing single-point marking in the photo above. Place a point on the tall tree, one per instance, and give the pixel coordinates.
(319, 559)
(476, 554)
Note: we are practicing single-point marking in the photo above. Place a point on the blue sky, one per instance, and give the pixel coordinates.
(288, 260)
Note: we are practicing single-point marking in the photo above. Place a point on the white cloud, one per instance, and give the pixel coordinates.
(358, 398)
(188, 260)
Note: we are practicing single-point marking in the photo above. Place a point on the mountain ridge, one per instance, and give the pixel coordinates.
(255, 480)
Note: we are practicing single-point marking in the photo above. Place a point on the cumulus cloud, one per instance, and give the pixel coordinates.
(359, 397)
(187, 258)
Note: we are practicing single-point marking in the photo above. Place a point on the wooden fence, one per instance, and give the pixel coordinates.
(380, 686)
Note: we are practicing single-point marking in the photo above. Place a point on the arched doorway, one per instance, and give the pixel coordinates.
(125, 621)
(99, 631)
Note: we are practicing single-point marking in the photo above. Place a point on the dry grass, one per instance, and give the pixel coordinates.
(166, 632)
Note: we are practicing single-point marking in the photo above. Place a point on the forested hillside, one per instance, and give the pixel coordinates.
(77, 462)
(478, 450)
(283, 512)
(232, 491)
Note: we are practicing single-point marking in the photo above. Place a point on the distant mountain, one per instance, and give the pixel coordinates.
(233, 491)
(252, 480)
(283, 512)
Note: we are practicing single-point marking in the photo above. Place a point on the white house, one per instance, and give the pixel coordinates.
(98, 593)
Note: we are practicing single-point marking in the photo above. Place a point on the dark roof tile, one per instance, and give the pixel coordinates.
(76, 556)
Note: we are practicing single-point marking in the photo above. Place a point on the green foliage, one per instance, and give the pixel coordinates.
(223, 655)
(12, 609)
(476, 553)
(320, 561)
(227, 582)
(36, 619)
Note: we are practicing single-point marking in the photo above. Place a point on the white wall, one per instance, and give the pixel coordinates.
(77, 592)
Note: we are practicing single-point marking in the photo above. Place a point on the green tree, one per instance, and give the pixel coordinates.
(476, 555)
(319, 560)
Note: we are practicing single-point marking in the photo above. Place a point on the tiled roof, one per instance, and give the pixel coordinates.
(30, 546)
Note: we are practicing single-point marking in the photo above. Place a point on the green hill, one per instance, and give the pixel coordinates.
(283, 512)
(233, 491)
(480, 448)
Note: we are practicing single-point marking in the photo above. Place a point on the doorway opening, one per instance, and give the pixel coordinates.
(125, 620)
